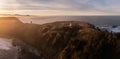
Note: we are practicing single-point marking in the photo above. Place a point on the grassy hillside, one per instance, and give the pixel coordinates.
(65, 39)
(70, 40)
(8, 24)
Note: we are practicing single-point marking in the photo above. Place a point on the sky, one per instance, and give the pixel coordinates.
(60, 7)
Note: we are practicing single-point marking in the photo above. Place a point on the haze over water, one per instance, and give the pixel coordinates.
(96, 20)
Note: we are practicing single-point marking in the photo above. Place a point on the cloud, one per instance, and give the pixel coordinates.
(100, 6)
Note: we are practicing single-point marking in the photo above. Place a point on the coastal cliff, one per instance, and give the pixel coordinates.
(62, 40)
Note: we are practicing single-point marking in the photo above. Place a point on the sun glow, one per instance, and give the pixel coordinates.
(3, 6)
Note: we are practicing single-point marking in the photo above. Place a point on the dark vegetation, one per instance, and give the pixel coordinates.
(66, 40)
